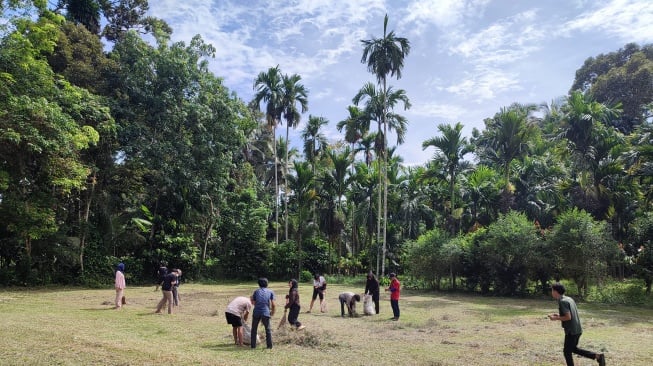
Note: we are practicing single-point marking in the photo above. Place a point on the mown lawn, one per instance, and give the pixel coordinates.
(72, 326)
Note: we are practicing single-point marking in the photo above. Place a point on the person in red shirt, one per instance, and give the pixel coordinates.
(395, 290)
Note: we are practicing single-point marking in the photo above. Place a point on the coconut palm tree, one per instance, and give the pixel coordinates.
(269, 89)
(292, 93)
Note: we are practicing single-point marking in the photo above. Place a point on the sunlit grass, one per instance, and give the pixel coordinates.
(69, 326)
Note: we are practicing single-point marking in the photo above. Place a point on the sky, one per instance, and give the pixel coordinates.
(468, 58)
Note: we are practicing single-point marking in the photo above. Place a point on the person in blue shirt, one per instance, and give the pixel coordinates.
(264, 307)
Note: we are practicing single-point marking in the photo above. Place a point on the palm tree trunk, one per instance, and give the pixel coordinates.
(276, 186)
(385, 198)
(285, 185)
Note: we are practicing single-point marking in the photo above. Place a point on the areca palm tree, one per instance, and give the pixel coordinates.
(304, 195)
(292, 93)
(379, 106)
(269, 89)
(315, 142)
(507, 137)
(451, 148)
(385, 56)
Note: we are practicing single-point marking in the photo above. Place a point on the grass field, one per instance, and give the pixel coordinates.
(71, 326)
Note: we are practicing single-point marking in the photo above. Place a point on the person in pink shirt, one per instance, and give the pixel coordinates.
(395, 290)
(120, 284)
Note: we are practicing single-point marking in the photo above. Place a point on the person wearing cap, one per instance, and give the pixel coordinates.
(568, 315)
(264, 306)
(119, 284)
(372, 288)
(395, 290)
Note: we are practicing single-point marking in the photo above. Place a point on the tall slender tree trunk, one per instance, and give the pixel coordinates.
(385, 174)
(84, 223)
(285, 184)
(276, 186)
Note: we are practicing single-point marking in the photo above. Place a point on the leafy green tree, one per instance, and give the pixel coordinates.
(84, 12)
(509, 246)
(624, 76)
(639, 249)
(45, 125)
(582, 246)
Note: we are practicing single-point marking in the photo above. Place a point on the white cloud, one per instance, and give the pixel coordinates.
(627, 20)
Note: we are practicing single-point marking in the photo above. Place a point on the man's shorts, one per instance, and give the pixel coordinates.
(234, 320)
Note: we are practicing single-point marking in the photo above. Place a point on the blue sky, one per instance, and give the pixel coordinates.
(468, 58)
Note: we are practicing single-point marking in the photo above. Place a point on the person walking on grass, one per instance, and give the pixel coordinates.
(568, 315)
(264, 306)
(319, 290)
(372, 288)
(169, 281)
(292, 305)
(119, 284)
(395, 290)
(236, 314)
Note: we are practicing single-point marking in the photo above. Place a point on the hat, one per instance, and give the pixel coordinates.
(392, 275)
(121, 267)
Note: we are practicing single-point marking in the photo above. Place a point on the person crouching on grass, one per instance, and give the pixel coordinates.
(568, 315)
(236, 314)
(349, 299)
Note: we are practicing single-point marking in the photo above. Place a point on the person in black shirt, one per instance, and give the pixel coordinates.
(169, 281)
(372, 288)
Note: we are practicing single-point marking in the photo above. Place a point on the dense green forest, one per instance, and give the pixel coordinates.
(117, 144)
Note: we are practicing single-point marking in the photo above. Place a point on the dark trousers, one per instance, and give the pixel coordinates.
(268, 332)
(395, 308)
(293, 314)
(375, 299)
(571, 346)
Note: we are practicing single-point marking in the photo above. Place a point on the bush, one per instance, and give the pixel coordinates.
(627, 293)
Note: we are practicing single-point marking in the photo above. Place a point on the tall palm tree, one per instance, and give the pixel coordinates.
(451, 148)
(379, 106)
(507, 137)
(304, 194)
(269, 89)
(292, 93)
(315, 142)
(385, 56)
